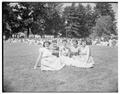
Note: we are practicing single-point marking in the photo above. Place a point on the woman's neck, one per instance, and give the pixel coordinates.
(65, 46)
(83, 46)
(75, 46)
(47, 47)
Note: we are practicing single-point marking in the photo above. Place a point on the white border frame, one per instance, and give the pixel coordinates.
(56, 1)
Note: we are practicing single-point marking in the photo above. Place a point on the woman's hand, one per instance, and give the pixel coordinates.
(34, 67)
(82, 54)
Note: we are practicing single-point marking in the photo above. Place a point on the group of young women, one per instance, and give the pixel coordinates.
(53, 57)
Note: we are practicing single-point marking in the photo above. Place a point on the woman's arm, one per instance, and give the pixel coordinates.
(79, 51)
(55, 51)
(60, 52)
(69, 53)
(88, 54)
(38, 59)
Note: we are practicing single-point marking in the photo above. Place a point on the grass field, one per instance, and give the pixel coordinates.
(19, 76)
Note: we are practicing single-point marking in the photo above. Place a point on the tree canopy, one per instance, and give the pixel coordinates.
(51, 18)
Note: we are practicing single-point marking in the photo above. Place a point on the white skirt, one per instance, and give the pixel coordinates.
(66, 60)
(80, 61)
(51, 63)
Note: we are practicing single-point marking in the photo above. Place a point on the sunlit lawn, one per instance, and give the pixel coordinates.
(19, 76)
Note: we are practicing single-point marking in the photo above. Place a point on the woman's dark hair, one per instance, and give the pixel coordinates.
(54, 41)
(46, 42)
(64, 40)
(83, 40)
(75, 41)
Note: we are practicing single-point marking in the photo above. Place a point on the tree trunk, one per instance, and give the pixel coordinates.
(28, 32)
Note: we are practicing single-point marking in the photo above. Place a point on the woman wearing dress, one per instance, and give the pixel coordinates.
(64, 53)
(84, 59)
(74, 49)
(55, 48)
(79, 42)
(47, 60)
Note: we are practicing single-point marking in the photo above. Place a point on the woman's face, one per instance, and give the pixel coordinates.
(74, 43)
(80, 42)
(83, 43)
(64, 43)
(47, 44)
(54, 44)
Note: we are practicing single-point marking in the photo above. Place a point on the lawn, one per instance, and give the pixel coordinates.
(19, 75)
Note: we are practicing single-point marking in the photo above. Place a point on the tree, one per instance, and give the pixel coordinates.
(54, 21)
(50, 18)
(10, 22)
(90, 19)
(72, 24)
(46, 17)
(31, 16)
(103, 26)
(79, 20)
(5, 13)
(104, 9)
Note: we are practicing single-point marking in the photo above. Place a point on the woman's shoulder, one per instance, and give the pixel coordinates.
(42, 49)
(73, 48)
(87, 47)
(61, 47)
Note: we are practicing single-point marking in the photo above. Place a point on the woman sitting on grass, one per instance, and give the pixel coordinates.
(64, 54)
(55, 48)
(84, 58)
(74, 49)
(47, 60)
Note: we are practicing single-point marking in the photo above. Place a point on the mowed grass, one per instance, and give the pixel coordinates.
(19, 75)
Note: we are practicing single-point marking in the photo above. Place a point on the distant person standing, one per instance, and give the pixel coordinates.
(112, 42)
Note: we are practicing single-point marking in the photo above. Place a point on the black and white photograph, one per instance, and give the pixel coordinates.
(59, 47)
